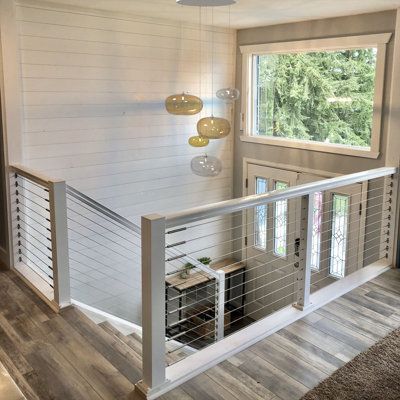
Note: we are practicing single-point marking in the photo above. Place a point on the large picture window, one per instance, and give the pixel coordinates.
(321, 95)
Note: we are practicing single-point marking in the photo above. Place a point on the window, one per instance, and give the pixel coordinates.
(280, 222)
(323, 95)
(340, 220)
(260, 216)
(316, 231)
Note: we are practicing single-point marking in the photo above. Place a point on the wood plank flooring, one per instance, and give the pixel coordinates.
(287, 364)
(68, 356)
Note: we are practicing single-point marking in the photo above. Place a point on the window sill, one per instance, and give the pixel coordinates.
(311, 146)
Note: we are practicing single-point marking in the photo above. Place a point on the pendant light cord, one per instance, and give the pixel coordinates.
(212, 61)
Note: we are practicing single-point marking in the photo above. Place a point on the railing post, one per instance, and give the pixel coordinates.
(220, 306)
(305, 252)
(153, 303)
(59, 243)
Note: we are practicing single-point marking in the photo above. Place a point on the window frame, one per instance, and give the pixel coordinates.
(348, 42)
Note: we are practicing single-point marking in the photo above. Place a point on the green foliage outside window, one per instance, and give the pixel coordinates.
(320, 96)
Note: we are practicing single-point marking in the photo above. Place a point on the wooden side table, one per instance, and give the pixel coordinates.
(198, 280)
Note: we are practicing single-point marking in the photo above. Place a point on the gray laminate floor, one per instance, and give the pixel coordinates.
(67, 356)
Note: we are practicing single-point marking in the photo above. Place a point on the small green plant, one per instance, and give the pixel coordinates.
(188, 266)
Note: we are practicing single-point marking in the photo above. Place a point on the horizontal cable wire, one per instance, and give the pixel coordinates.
(273, 217)
(31, 227)
(103, 215)
(268, 273)
(37, 248)
(241, 211)
(20, 244)
(131, 250)
(40, 243)
(229, 312)
(36, 272)
(21, 188)
(23, 205)
(117, 273)
(100, 244)
(18, 176)
(33, 219)
(270, 252)
(254, 233)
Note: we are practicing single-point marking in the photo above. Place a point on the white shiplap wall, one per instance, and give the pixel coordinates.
(93, 89)
(94, 86)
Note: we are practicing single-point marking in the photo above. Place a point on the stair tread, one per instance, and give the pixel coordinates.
(119, 354)
(132, 342)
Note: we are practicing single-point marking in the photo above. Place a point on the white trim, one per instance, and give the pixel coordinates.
(311, 146)
(131, 325)
(247, 113)
(335, 43)
(199, 362)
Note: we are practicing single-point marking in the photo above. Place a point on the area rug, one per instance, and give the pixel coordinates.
(372, 375)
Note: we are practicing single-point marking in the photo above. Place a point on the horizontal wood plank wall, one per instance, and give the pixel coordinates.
(94, 86)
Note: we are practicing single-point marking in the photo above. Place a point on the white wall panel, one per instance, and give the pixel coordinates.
(94, 86)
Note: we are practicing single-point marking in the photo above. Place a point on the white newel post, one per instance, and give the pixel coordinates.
(220, 306)
(59, 243)
(305, 251)
(153, 303)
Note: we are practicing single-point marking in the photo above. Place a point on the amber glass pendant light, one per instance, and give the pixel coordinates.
(198, 141)
(213, 127)
(183, 104)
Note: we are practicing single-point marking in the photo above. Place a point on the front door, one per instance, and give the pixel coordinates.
(273, 232)
(270, 231)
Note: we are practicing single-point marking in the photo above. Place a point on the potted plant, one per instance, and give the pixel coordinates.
(188, 266)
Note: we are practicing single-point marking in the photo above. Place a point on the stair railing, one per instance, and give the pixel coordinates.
(40, 234)
(269, 289)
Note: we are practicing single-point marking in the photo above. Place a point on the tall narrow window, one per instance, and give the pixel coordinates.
(316, 231)
(280, 222)
(260, 216)
(340, 219)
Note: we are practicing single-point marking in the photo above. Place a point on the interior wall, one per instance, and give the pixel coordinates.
(94, 86)
(344, 26)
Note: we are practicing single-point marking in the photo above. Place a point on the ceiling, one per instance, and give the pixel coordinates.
(244, 14)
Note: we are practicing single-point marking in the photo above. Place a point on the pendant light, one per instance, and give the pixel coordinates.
(183, 104)
(198, 141)
(228, 94)
(206, 166)
(213, 127)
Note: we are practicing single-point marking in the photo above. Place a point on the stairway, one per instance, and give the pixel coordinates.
(62, 356)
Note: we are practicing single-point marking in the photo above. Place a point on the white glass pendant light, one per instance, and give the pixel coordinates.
(206, 165)
(228, 94)
(206, 3)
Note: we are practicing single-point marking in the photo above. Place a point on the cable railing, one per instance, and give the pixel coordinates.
(269, 255)
(40, 234)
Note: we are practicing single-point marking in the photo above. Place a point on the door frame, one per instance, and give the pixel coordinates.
(293, 168)
(270, 164)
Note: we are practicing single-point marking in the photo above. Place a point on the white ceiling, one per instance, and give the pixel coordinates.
(244, 14)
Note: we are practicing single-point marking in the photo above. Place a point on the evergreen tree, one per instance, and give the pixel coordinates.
(320, 96)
